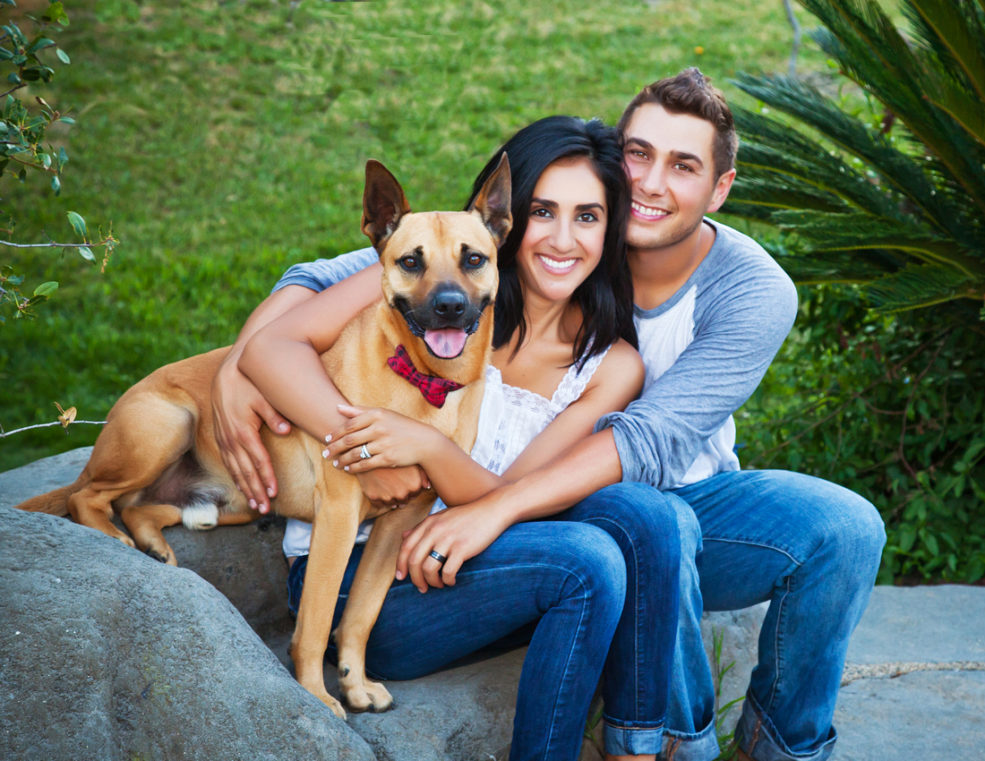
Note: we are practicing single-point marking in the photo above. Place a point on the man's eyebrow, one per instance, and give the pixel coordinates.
(685, 156)
(640, 142)
(679, 155)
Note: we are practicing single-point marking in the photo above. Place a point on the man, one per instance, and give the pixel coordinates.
(712, 309)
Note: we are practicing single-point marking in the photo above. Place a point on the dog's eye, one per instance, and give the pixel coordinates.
(474, 260)
(410, 263)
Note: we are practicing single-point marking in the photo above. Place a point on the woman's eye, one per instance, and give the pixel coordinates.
(587, 216)
(540, 211)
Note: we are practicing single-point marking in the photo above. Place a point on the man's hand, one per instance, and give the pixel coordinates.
(238, 411)
(458, 533)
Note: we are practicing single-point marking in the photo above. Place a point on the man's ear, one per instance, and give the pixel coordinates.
(722, 186)
(384, 204)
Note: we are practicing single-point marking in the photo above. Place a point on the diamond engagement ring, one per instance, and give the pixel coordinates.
(364, 453)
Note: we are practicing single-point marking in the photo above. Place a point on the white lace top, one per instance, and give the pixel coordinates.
(509, 419)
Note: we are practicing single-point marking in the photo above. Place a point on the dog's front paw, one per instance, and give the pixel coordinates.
(333, 705)
(367, 696)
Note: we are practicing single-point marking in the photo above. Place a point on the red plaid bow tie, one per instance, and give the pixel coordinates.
(433, 388)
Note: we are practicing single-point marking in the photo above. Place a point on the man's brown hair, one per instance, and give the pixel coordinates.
(691, 92)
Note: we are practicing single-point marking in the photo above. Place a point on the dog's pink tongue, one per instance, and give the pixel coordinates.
(447, 343)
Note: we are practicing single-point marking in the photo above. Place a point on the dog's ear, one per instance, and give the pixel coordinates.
(384, 203)
(493, 201)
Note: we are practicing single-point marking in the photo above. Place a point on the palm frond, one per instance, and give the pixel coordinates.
(872, 52)
(920, 286)
(804, 102)
(858, 230)
(953, 30)
(769, 147)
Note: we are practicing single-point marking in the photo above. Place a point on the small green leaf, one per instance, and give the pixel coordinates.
(78, 223)
(46, 289)
(40, 44)
(63, 56)
(86, 254)
(56, 184)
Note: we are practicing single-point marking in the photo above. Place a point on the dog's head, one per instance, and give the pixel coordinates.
(439, 267)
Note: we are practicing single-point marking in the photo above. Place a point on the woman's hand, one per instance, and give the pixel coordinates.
(393, 486)
(458, 533)
(392, 440)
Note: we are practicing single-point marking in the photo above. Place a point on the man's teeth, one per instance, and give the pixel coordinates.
(647, 211)
(555, 266)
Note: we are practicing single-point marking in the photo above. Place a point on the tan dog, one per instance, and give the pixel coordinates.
(157, 463)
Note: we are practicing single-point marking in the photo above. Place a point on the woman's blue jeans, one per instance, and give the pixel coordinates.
(809, 547)
(567, 579)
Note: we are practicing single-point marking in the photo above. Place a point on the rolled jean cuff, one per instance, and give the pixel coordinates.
(759, 739)
(633, 739)
(697, 746)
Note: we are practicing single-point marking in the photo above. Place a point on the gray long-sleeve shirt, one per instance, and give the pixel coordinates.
(705, 350)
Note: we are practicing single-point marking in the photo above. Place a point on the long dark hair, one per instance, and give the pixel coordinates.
(606, 295)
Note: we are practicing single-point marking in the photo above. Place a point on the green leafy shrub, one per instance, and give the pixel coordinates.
(24, 124)
(882, 188)
(891, 408)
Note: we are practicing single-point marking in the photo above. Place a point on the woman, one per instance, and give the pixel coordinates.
(562, 358)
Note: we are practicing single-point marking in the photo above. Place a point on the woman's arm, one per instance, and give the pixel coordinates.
(283, 358)
(462, 532)
(283, 361)
(395, 440)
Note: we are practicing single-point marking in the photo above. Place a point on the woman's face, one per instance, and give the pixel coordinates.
(565, 231)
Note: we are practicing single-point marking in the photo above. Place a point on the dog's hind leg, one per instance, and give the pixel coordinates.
(369, 587)
(333, 534)
(145, 523)
(144, 435)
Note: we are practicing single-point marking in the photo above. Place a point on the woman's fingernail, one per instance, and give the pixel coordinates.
(328, 439)
(335, 463)
(324, 454)
(270, 492)
(253, 504)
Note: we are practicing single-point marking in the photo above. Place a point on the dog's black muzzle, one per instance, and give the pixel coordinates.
(447, 306)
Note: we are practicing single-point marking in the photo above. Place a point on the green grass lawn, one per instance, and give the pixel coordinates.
(224, 141)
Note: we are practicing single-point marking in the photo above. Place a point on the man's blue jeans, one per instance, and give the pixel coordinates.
(809, 547)
(567, 580)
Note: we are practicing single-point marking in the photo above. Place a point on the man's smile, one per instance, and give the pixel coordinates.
(648, 213)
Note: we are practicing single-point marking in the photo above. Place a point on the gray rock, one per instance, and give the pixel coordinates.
(107, 654)
(926, 715)
(460, 713)
(921, 624)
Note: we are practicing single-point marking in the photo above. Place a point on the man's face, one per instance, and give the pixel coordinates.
(672, 173)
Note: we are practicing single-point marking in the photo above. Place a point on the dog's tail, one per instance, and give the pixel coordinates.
(54, 502)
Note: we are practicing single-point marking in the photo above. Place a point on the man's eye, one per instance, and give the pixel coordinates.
(410, 263)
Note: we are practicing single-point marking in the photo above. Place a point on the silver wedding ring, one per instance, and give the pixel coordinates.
(364, 453)
(437, 556)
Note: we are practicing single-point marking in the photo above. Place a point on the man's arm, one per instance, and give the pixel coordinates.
(238, 407)
(737, 332)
